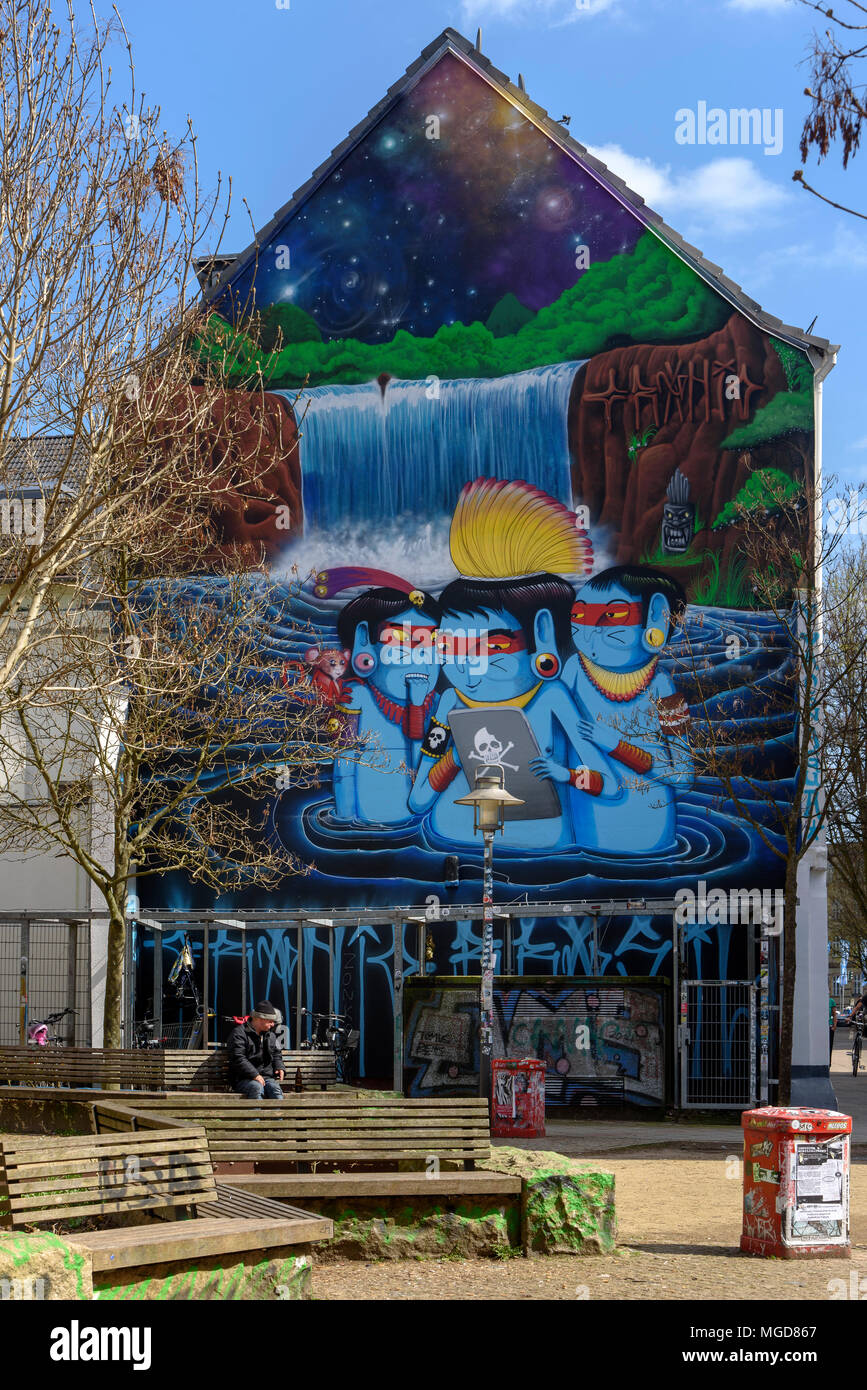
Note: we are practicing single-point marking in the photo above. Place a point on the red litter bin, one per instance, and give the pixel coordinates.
(517, 1098)
(796, 1182)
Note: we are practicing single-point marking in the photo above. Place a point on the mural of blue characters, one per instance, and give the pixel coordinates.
(621, 622)
(386, 707)
(502, 530)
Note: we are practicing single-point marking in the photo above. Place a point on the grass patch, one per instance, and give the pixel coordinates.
(733, 590)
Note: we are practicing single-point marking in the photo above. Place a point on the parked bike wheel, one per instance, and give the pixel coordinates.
(856, 1055)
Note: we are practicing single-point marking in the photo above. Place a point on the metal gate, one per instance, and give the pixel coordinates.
(717, 1037)
(44, 967)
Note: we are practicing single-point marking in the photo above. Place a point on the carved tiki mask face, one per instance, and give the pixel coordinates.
(678, 524)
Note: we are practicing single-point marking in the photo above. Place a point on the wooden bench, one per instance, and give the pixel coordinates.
(208, 1071)
(143, 1069)
(80, 1066)
(158, 1170)
(338, 1131)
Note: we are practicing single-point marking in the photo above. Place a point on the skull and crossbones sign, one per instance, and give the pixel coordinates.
(490, 750)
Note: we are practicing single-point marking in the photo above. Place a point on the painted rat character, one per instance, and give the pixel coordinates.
(387, 703)
(621, 622)
(500, 532)
(324, 668)
(327, 669)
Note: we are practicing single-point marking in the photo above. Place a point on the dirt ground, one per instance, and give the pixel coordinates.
(678, 1200)
(679, 1222)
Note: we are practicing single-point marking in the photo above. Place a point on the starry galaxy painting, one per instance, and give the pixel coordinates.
(454, 201)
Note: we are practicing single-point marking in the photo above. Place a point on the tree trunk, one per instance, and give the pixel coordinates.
(114, 980)
(787, 1000)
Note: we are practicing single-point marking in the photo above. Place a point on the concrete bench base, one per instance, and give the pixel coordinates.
(400, 1228)
(47, 1267)
(520, 1201)
(567, 1207)
(278, 1275)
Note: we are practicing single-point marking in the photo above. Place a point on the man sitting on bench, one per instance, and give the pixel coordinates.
(254, 1055)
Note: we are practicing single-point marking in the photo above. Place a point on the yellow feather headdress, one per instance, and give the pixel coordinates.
(503, 530)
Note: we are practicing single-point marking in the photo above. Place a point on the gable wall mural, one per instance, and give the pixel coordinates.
(513, 425)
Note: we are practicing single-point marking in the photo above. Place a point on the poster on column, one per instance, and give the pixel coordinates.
(819, 1182)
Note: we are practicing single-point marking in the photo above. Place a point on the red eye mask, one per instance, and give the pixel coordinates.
(616, 613)
(396, 636)
(498, 643)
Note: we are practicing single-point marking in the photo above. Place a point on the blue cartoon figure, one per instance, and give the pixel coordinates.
(621, 622)
(387, 705)
(504, 638)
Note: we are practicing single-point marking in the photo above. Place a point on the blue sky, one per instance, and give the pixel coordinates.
(272, 88)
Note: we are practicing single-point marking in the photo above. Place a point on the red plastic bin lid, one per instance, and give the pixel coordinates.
(797, 1119)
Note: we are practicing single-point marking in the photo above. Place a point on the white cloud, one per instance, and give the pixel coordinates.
(557, 12)
(727, 194)
(860, 443)
(846, 252)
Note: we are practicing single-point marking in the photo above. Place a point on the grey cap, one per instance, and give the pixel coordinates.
(265, 1009)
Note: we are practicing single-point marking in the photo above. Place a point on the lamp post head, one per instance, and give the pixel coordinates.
(489, 798)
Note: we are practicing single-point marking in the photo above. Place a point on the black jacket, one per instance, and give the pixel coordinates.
(252, 1054)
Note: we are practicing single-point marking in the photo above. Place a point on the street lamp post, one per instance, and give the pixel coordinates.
(489, 800)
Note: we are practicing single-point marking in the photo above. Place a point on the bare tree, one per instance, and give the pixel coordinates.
(838, 96)
(159, 734)
(141, 729)
(101, 219)
(784, 795)
(846, 716)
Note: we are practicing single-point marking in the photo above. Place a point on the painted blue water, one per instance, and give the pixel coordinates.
(369, 867)
(369, 455)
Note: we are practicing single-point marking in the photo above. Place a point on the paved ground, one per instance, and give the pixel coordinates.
(679, 1192)
(851, 1091)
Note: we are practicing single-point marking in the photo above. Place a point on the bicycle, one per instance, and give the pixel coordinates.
(326, 1033)
(144, 1034)
(856, 1045)
(330, 1035)
(182, 979)
(37, 1030)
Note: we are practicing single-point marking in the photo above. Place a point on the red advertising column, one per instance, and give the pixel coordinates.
(796, 1182)
(518, 1098)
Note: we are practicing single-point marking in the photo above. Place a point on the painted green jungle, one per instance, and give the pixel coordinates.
(644, 296)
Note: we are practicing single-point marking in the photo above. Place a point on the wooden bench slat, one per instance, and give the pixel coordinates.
(196, 1239)
(442, 1184)
(109, 1208)
(181, 1190)
(312, 1146)
(359, 1156)
(309, 1134)
(299, 1118)
(179, 1168)
(233, 1201)
(105, 1144)
(316, 1106)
